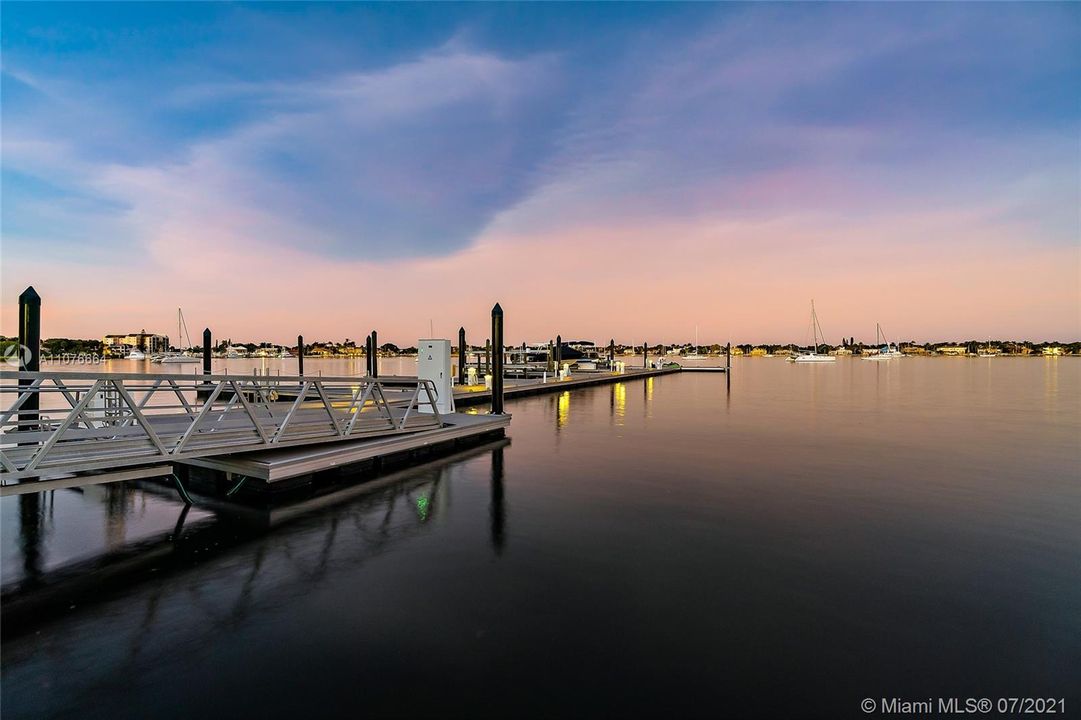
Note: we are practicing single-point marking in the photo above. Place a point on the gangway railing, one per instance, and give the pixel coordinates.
(55, 423)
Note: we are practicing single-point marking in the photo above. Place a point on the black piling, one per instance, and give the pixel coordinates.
(375, 354)
(300, 355)
(559, 353)
(368, 356)
(611, 353)
(487, 356)
(208, 342)
(645, 355)
(461, 356)
(29, 353)
(497, 360)
(728, 365)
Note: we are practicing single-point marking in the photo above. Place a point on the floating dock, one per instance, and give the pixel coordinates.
(479, 395)
(271, 467)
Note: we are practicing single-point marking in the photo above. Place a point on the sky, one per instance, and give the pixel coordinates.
(626, 171)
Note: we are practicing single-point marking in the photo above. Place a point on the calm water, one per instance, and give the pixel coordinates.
(818, 536)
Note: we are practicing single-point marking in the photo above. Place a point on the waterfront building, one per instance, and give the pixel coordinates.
(119, 345)
(952, 350)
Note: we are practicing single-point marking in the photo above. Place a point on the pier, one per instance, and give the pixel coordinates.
(73, 429)
(60, 426)
(480, 395)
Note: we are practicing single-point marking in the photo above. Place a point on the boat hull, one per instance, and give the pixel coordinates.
(812, 359)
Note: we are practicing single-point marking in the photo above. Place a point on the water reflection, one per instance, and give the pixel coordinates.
(30, 522)
(659, 552)
(496, 508)
(563, 409)
(347, 525)
(619, 402)
(647, 408)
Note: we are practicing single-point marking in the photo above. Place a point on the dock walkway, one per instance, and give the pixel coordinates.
(466, 397)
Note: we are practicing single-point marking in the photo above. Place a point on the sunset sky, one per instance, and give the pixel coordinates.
(611, 170)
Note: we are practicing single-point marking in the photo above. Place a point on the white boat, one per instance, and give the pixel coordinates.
(813, 356)
(174, 358)
(886, 350)
(987, 352)
(181, 333)
(694, 355)
(136, 354)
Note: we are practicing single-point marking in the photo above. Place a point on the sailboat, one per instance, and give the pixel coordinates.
(181, 333)
(986, 352)
(694, 355)
(886, 350)
(813, 356)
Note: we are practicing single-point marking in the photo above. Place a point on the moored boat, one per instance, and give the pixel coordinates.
(813, 356)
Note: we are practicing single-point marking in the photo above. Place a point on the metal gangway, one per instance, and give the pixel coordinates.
(61, 423)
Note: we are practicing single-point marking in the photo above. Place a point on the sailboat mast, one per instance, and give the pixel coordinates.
(814, 326)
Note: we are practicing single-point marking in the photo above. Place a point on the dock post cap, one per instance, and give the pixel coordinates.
(497, 310)
(30, 295)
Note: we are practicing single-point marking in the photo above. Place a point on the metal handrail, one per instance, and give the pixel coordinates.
(95, 421)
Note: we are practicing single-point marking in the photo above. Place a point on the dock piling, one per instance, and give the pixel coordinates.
(375, 354)
(497, 360)
(487, 356)
(728, 365)
(300, 355)
(645, 355)
(461, 356)
(203, 392)
(29, 351)
(208, 340)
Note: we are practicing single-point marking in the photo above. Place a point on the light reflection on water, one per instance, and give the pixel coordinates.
(833, 533)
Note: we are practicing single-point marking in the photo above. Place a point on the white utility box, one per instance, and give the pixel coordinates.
(433, 363)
